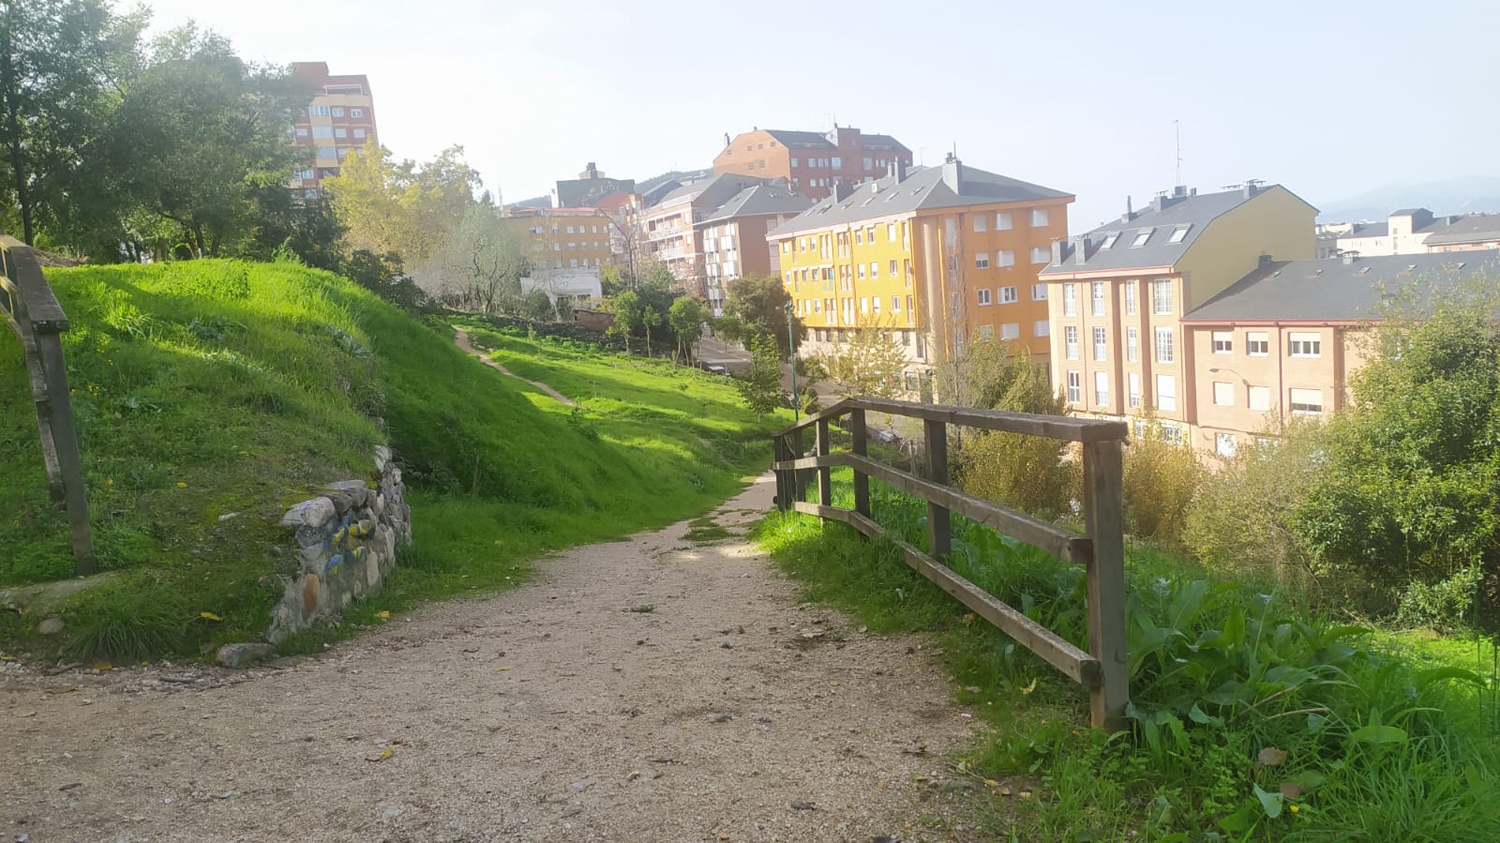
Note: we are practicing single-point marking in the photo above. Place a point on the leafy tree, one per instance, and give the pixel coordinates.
(627, 308)
(480, 265)
(869, 362)
(1158, 482)
(1027, 473)
(686, 318)
(384, 276)
(402, 207)
(981, 374)
(757, 305)
(760, 388)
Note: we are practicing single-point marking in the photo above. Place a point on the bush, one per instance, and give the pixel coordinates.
(1159, 481)
(1022, 472)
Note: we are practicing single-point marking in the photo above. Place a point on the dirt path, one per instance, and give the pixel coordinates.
(461, 339)
(552, 712)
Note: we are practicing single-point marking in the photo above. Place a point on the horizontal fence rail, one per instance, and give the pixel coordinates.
(35, 315)
(1102, 670)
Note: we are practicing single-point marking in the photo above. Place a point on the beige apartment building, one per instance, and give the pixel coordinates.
(563, 238)
(1410, 231)
(734, 237)
(1282, 342)
(1117, 295)
(671, 229)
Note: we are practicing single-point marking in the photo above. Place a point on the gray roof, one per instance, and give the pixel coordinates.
(1335, 291)
(1466, 229)
(760, 199)
(1369, 229)
(712, 192)
(882, 142)
(1161, 219)
(923, 188)
(801, 140)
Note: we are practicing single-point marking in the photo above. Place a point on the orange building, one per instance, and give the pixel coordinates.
(942, 256)
(811, 162)
(564, 238)
(340, 117)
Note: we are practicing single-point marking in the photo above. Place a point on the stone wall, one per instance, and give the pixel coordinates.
(345, 544)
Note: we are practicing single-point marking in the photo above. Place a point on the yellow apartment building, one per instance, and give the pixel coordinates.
(942, 256)
(564, 238)
(1118, 294)
(1282, 341)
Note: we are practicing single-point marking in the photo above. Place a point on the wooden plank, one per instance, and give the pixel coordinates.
(831, 412)
(939, 525)
(46, 315)
(65, 439)
(1053, 427)
(825, 474)
(1105, 520)
(1071, 661)
(861, 480)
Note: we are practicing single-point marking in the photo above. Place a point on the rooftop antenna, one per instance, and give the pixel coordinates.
(1177, 130)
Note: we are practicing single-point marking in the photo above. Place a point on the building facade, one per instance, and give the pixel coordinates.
(563, 238)
(941, 256)
(734, 237)
(340, 118)
(1411, 231)
(590, 186)
(1118, 293)
(811, 162)
(671, 231)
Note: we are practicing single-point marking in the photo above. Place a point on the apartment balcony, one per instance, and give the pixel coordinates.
(672, 253)
(665, 233)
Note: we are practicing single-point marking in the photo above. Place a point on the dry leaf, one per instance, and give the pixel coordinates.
(1271, 756)
(1004, 791)
(384, 754)
(382, 615)
(501, 669)
(1029, 688)
(991, 783)
(1291, 790)
(1025, 794)
(181, 485)
(209, 616)
(27, 714)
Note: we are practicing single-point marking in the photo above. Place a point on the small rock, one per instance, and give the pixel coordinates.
(229, 515)
(50, 626)
(720, 718)
(727, 646)
(243, 654)
(802, 806)
(311, 513)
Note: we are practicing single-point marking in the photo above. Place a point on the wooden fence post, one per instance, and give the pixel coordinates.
(65, 436)
(939, 525)
(778, 454)
(825, 474)
(1105, 520)
(861, 479)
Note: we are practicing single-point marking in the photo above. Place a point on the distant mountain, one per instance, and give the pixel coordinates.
(534, 202)
(1466, 195)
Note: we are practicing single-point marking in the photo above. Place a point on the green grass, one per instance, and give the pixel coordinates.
(209, 388)
(1389, 737)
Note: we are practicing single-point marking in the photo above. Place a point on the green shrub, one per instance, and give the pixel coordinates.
(1159, 481)
(134, 620)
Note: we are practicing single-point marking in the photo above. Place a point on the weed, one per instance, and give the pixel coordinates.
(643, 609)
(134, 620)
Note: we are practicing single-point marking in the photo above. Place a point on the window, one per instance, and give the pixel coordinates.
(317, 111)
(1005, 257)
(859, 236)
(1258, 344)
(1070, 299)
(864, 304)
(895, 304)
(1010, 331)
(1134, 391)
(982, 260)
(1171, 433)
(1223, 342)
(341, 133)
(356, 112)
(1109, 240)
(1161, 297)
(979, 223)
(322, 132)
(1041, 254)
(875, 305)
(1038, 292)
(1178, 233)
(861, 268)
(1133, 344)
(1041, 328)
(986, 332)
(359, 134)
(325, 152)
(1075, 387)
(1039, 218)
(1101, 346)
(1008, 295)
(1223, 394)
(984, 297)
(1003, 221)
(1260, 398)
(573, 263)
(569, 229)
(1305, 344)
(1166, 393)
(301, 131)
(1096, 298)
(1306, 402)
(890, 236)
(1165, 353)
(1141, 238)
(869, 165)
(1130, 297)
(1224, 444)
(1070, 342)
(874, 269)
(893, 267)
(1101, 387)
(838, 163)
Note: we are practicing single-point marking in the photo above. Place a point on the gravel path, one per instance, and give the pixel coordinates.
(562, 710)
(461, 339)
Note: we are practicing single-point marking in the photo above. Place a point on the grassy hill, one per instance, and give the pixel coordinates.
(212, 394)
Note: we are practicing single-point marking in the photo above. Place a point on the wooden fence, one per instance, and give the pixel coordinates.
(1103, 668)
(39, 321)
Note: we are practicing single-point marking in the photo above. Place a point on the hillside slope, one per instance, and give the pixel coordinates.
(211, 394)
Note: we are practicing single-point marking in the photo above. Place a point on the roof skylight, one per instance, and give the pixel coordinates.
(1141, 238)
(1180, 232)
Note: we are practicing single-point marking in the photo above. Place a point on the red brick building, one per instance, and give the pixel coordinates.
(811, 162)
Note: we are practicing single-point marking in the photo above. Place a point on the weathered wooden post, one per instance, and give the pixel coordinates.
(939, 526)
(825, 474)
(1104, 519)
(783, 492)
(859, 447)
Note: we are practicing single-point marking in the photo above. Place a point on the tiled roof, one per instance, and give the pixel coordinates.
(1466, 229)
(757, 200)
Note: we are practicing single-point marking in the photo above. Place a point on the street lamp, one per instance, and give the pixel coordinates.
(791, 341)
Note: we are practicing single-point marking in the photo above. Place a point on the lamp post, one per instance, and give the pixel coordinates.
(791, 341)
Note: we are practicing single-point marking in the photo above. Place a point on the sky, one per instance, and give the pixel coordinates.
(1331, 100)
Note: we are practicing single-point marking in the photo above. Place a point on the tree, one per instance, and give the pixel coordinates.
(760, 388)
(686, 319)
(480, 265)
(402, 207)
(981, 374)
(627, 308)
(58, 62)
(1158, 482)
(757, 305)
(869, 362)
(1027, 473)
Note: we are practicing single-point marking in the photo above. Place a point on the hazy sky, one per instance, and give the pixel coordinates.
(1329, 99)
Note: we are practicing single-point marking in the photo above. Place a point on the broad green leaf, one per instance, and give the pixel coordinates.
(1271, 802)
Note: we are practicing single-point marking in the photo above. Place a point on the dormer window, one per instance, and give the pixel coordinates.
(1179, 233)
(1140, 239)
(1109, 240)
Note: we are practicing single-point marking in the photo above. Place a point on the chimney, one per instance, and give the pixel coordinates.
(896, 169)
(1250, 189)
(1129, 213)
(953, 173)
(842, 190)
(1057, 251)
(1265, 261)
(726, 139)
(1179, 191)
(1081, 249)
(592, 170)
(1348, 258)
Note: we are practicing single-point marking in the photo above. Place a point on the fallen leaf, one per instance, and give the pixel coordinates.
(501, 669)
(1271, 756)
(103, 666)
(181, 485)
(382, 615)
(991, 783)
(1025, 794)
(1004, 791)
(802, 806)
(634, 774)
(384, 754)
(1291, 790)
(27, 714)
(1029, 688)
(209, 616)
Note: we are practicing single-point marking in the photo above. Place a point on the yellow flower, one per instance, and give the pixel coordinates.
(1294, 808)
(181, 485)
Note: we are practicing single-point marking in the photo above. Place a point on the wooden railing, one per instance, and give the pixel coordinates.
(37, 318)
(1102, 670)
